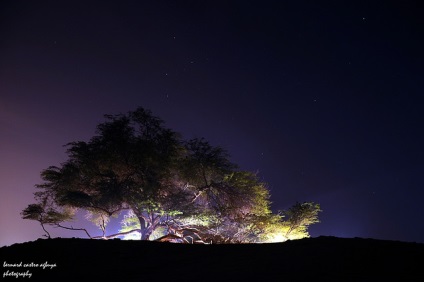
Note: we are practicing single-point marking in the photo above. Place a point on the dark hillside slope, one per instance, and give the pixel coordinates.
(314, 259)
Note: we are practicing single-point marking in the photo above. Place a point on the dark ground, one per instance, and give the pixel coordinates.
(313, 259)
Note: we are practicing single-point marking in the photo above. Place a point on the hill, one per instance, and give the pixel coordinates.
(312, 259)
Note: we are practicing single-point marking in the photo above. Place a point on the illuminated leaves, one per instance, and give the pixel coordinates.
(170, 186)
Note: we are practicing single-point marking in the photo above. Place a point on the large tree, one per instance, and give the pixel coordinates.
(169, 187)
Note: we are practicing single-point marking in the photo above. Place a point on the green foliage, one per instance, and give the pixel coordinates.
(168, 185)
(250, 195)
(204, 220)
(291, 224)
(204, 164)
(301, 215)
(130, 222)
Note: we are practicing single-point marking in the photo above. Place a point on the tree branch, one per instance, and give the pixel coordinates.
(48, 234)
(71, 228)
(117, 234)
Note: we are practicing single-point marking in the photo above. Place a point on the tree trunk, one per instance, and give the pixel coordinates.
(146, 231)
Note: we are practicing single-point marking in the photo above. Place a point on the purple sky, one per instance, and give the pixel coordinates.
(324, 100)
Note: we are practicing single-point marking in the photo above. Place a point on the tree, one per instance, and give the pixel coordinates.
(188, 190)
(292, 223)
(46, 212)
(300, 216)
(126, 166)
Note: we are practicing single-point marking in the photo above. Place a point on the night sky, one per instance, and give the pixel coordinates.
(324, 99)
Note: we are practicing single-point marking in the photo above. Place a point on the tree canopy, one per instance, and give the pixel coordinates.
(171, 189)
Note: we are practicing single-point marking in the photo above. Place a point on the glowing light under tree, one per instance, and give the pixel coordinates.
(276, 238)
(132, 236)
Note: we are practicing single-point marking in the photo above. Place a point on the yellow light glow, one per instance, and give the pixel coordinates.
(276, 238)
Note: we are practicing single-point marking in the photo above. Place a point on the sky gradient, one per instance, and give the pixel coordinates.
(324, 99)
